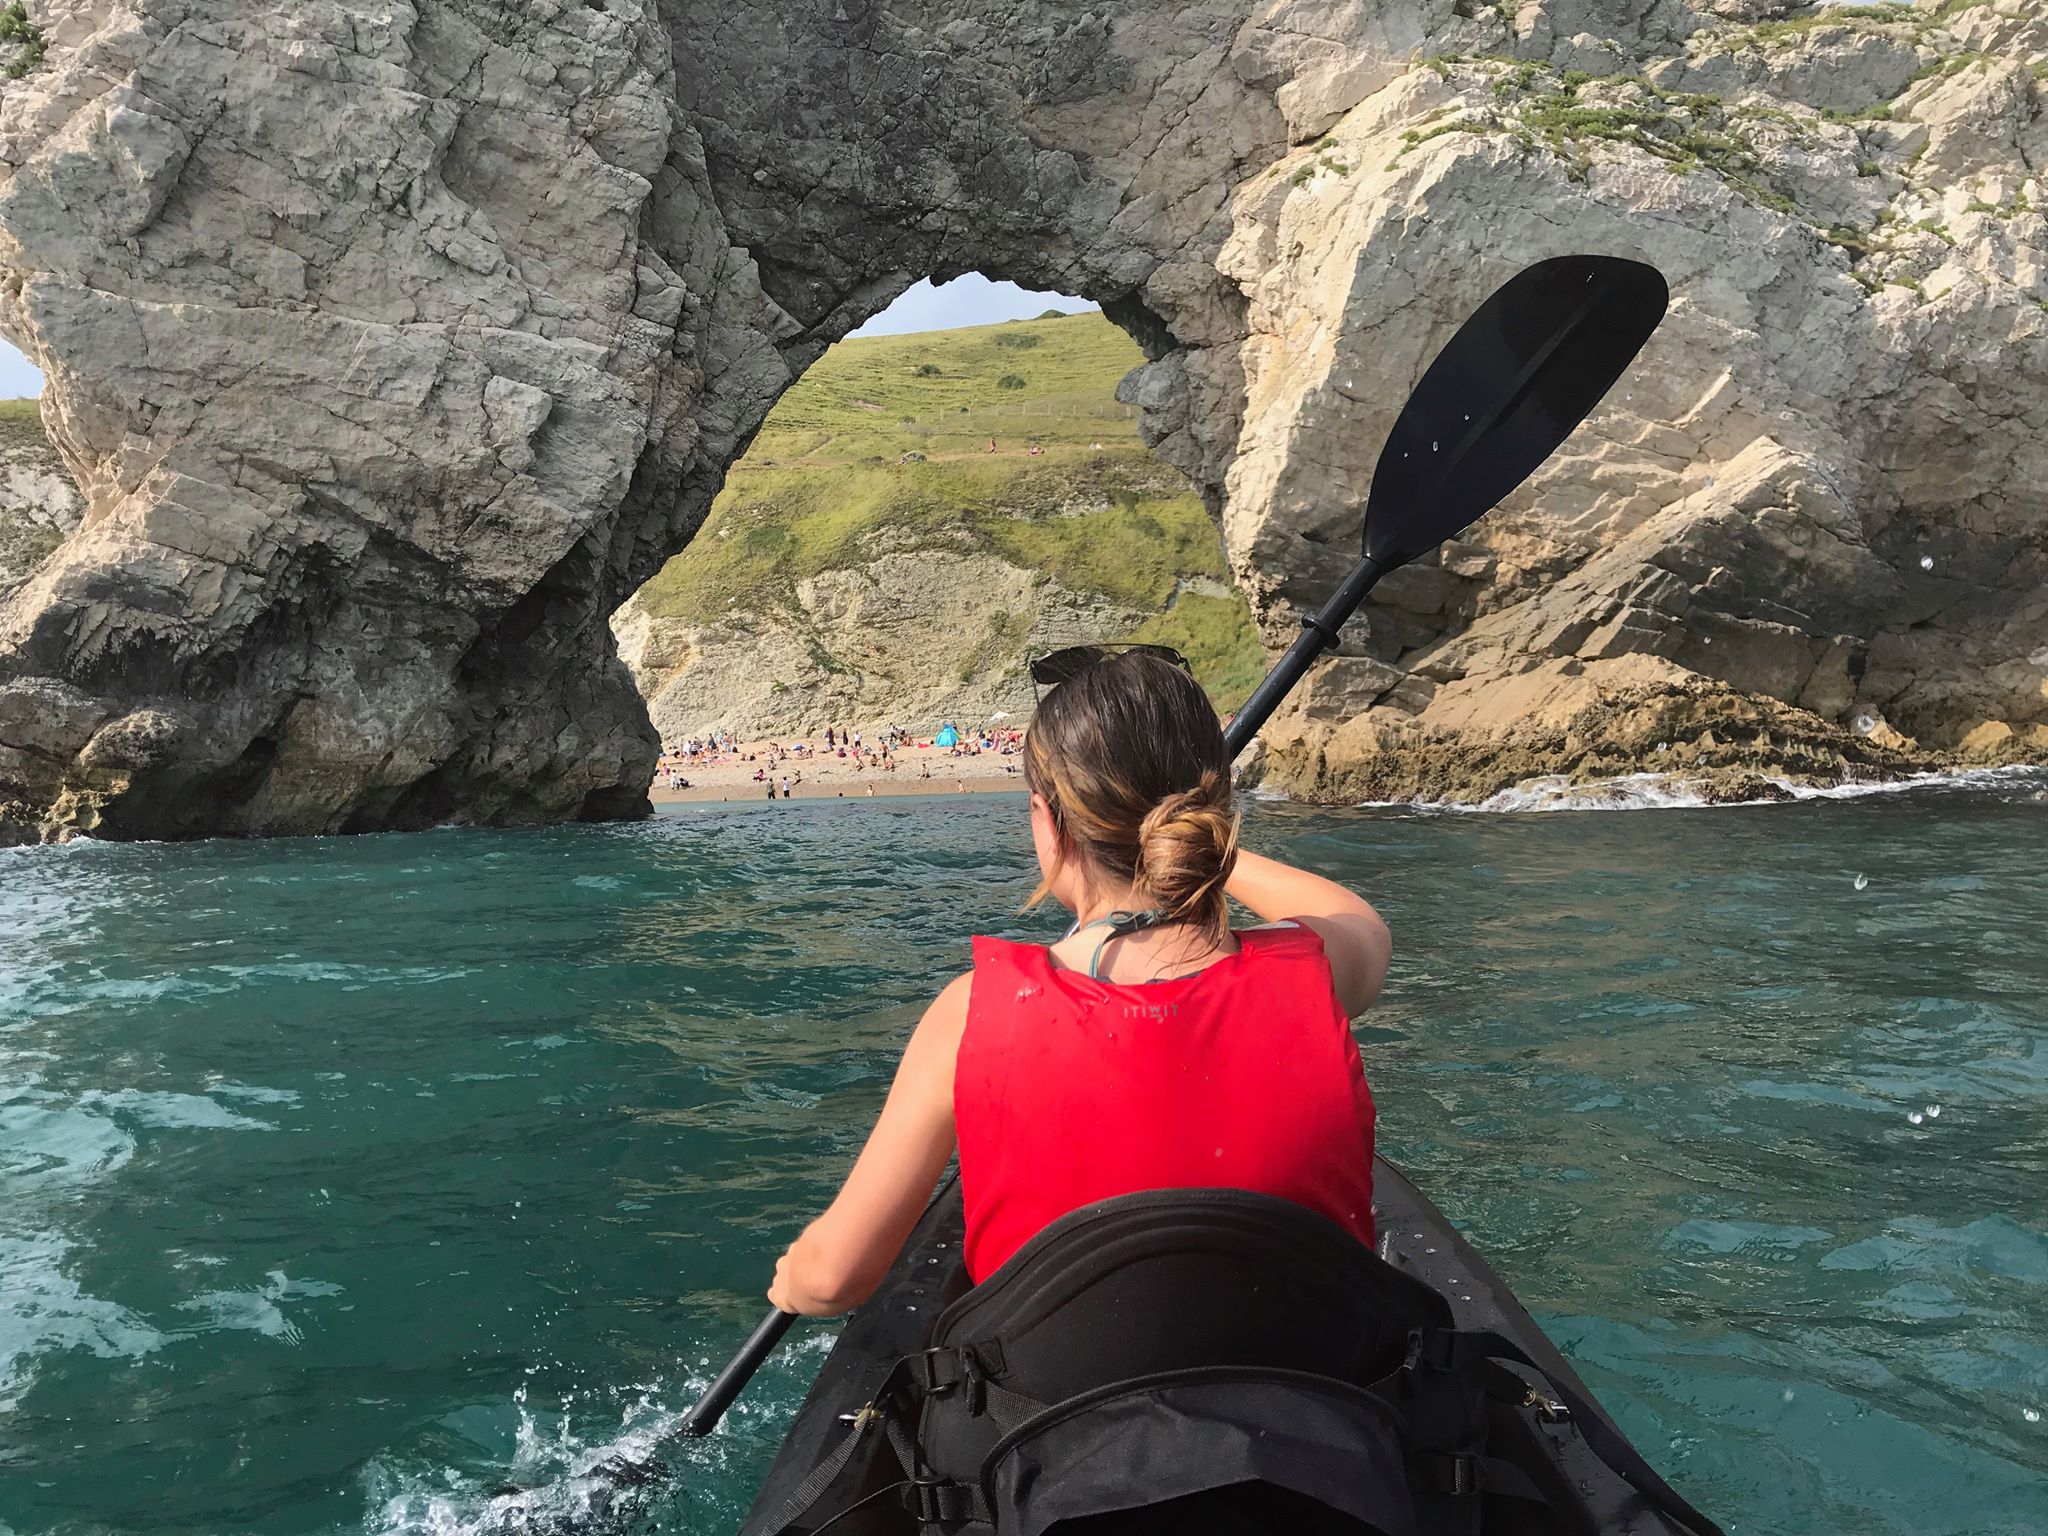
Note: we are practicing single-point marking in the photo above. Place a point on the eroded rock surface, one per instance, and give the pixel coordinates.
(392, 345)
(914, 638)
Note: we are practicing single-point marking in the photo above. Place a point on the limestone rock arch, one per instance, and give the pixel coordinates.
(393, 343)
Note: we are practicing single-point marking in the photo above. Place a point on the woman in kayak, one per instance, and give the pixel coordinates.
(1151, 1048)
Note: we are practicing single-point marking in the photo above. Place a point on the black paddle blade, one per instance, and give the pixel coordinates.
(1526, 369)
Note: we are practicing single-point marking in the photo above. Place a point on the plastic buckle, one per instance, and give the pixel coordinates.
(936, 1500)
(975, 1381)
(941, 1370)
(938, 1371)
(1464, 1475)
(1436, 1348)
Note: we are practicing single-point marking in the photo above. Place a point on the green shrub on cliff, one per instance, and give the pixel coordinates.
(15, 27)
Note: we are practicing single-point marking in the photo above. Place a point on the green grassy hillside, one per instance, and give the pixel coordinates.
(826, 487)
(947, 392)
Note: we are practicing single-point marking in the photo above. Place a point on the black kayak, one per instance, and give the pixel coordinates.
(1591, 1479)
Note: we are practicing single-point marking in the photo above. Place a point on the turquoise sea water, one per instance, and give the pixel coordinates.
(342, 1180)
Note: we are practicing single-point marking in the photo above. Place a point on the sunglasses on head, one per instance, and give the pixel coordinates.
(1055, 667)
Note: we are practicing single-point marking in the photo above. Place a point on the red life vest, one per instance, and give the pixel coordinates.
(1069, 1090)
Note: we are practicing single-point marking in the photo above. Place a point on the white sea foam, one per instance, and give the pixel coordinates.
(2021, 776)
(169, 1111)
(1677, 791)
(42, 1310)
(557, 1480)
(557, 1473)
(44, 1141)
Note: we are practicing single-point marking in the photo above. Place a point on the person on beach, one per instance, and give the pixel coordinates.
(1153, 1047)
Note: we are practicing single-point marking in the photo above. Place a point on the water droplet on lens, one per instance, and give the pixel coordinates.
(1927, 562)
(1914, 1117)
(1219, 1151)
(1862, 882)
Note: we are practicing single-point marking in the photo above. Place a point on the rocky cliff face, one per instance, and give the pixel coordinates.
(1805, 535)
(909, 638)
(394, 345)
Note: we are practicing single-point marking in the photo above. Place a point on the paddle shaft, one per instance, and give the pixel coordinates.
(718, 1397)
(1318, 634)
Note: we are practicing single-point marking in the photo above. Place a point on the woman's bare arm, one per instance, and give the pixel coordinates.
(1354, 936)
(843, 1255)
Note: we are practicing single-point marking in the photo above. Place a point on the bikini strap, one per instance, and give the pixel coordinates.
(1118, 924)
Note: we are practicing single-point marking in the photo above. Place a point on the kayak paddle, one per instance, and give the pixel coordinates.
(1526, 369)
(1519, 376)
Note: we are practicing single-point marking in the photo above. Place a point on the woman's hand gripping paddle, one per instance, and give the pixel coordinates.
(1525, 370)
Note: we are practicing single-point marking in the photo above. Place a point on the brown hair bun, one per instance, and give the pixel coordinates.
(1187, 846)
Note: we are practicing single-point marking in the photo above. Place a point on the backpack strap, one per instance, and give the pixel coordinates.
(1462, 1474)
(1479, 1351)
(935, 1502)
(870, 1422)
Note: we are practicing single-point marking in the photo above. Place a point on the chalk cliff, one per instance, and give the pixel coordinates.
(394, 345)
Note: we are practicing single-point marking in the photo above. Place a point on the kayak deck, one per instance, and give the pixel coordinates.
(1414, 1236)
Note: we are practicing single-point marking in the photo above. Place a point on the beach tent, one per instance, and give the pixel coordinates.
(947, 737)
